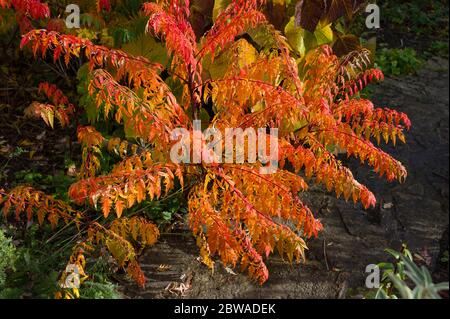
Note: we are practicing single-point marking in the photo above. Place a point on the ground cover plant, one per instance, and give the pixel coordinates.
(405, 273)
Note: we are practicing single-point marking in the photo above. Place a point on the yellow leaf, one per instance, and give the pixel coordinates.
(106, 206)
(324, 35)
(119, 208)
(241, 52)
(76, 292)
(219, 7)
(116, 249)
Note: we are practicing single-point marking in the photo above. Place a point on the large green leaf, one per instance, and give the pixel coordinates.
(262, 37)
(324, 35)
(302, 40)
(296, 37)
(149, 48)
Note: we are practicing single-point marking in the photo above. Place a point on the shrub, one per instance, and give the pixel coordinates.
(234, 211)
(399, 61)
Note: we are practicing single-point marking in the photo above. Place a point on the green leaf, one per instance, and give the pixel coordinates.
(392, 252)
(149, 48)
(441, 286)
(296, 37)
(167, 216)
(381, 294)
(262, 37)
(324, 35)
(219, 7)
(403, 289)
(386, 266)
(242, 52)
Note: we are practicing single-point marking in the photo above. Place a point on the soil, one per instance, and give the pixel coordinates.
(415, 213)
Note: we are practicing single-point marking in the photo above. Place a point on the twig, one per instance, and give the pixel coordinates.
(441, 176)
(325, 256)
(19, 89)
(343, 222)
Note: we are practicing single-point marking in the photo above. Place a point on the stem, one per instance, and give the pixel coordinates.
(14, 34)
(192, 91)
